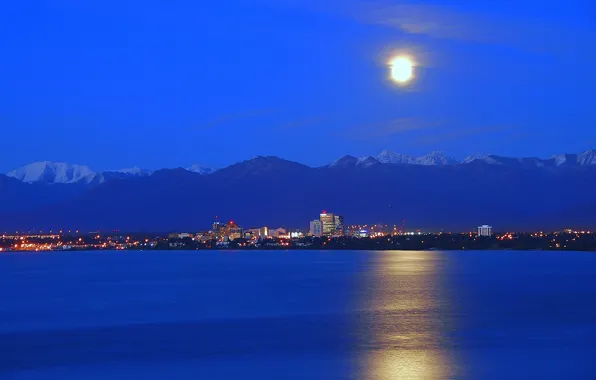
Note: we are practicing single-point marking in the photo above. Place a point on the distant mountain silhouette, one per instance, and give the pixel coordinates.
(507, 193)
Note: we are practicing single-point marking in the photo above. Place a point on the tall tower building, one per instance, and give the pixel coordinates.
(217, 225)
(339, 225)
(485, 230)
(316, 228)
(327, 223)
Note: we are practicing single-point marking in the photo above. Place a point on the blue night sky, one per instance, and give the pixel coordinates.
(151, 83)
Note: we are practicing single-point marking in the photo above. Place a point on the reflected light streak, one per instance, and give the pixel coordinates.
(405, 333)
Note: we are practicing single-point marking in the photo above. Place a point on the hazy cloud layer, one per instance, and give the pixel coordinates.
(451, 134)
(405, 127)
(435, 20)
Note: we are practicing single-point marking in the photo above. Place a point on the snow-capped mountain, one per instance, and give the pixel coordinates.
(202, 170)
(435, 158)
(49, 172)
(367, 161)
(344, 161)
(135, 172)
(474, 157)
(587, 158)
(351, 161)
(388, 157)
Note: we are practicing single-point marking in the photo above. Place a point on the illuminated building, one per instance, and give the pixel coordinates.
(180, 235)
(327, 223)
(234, 233)
(217, 226)
(231, 231)
(278, 232)
(260, 232)
(339, 225)
(485, 230)
(316, 228)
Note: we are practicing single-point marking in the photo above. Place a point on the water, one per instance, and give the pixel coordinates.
(298, 315)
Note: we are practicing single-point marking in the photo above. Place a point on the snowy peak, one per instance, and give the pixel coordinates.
(202, 170)
(344, 161)
(436, 158)
(135, 172)
(587, 158)
(351, 162)
(475, 157)
(388, 157)
(433, 158)
(367, 161)
(564, 159)
(120, 174)
(49, 172)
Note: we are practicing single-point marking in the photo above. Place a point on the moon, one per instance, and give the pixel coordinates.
(402, 69)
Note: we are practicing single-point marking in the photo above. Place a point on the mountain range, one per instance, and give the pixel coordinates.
(429, 192)
(48, 172)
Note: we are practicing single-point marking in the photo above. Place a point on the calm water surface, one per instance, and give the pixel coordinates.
(298, 315)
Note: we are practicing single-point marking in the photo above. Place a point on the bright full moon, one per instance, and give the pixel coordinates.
(402, 69)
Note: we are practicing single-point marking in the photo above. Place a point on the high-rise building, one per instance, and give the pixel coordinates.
(339, 225)
(316, 228)
(278, 232)
(260, 232)
(328, 223)
(234, 233)
(485, 230)
(217, 226)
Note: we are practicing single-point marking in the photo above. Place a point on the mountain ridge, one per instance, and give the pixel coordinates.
(513, 193)
(276, 192)
(50, 172)
(57, 172)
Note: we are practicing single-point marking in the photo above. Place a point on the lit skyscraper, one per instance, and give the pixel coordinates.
(339, 225)
(485, 230)
(328, 223)
(217, 226)
(316, 228)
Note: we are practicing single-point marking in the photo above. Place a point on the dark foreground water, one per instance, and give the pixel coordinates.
(298, 315)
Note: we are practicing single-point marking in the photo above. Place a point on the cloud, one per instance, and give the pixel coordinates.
(442, 22)
(407, 124)
(426, 19)
(390, 128)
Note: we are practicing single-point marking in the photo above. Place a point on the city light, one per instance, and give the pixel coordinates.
(326, 232)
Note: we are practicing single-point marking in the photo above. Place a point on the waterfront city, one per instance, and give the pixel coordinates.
(327, 232)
